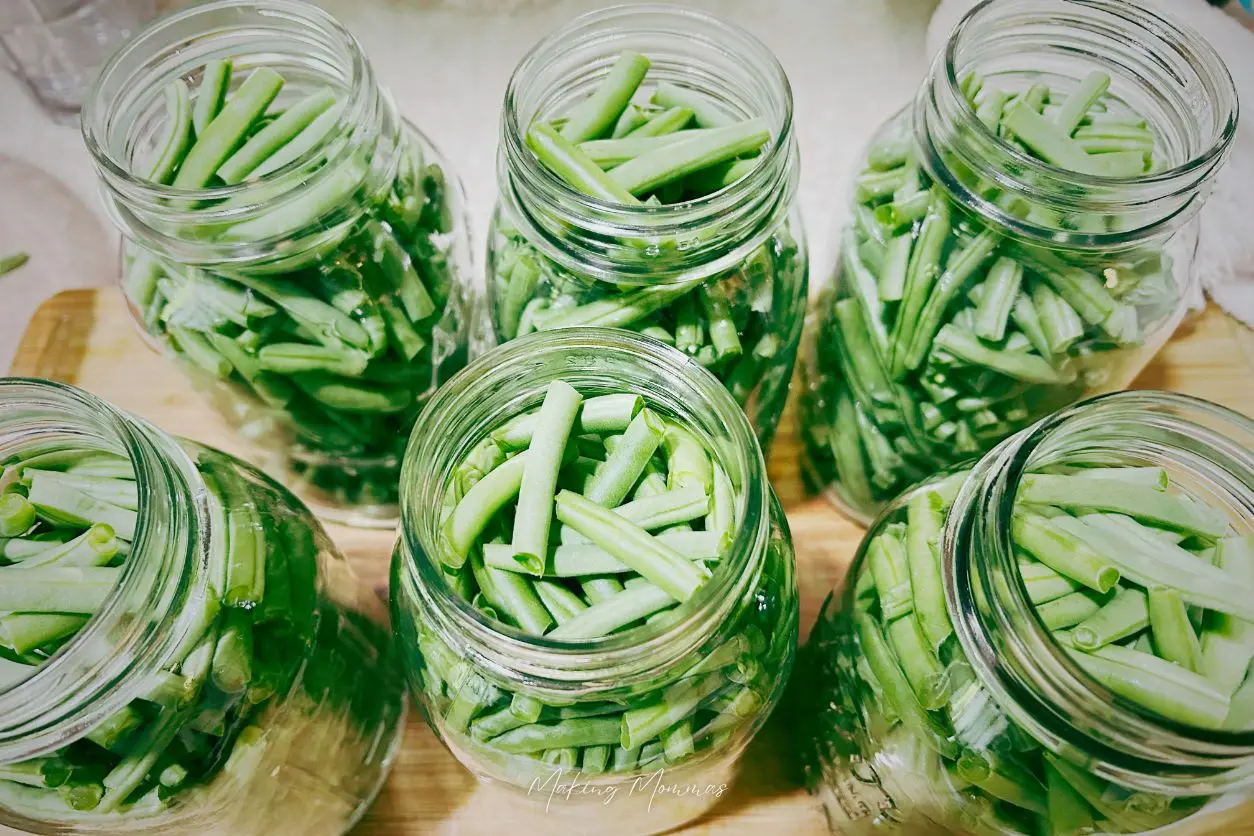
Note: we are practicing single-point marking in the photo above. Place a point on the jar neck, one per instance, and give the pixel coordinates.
(1206, 449)
(602, 240)
(513, 379)
(1164, 73)
(125, 116)
(104, 667)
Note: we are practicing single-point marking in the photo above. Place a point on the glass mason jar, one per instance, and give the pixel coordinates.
(749, 604)
(128, 727)
(908, 368)
(320, 299)
(557, 257)
(1017, 700)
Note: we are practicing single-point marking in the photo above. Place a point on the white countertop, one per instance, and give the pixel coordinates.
(852, 64)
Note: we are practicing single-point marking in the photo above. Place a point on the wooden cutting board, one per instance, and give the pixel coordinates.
(86, 337)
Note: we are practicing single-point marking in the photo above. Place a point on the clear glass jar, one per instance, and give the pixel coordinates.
(300, 745)
(352, 257)
(749, 602)
(1024, 700)
(890, 395)
(553, 249)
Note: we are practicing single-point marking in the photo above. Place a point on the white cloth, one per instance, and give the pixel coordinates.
(1225, 250)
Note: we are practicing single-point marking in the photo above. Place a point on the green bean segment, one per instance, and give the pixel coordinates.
(1135, 631)
(662, 157)
(945, 331)
(340, 312)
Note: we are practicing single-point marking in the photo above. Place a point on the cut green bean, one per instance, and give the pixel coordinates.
(631, 545)
(1124, 615)
(608, 153)
(615, 479)
(1001, 290)
(1070, 610)
(596, 115)
(1080, 101)
(1157, 684)
(215, 81)
(1173, 635)
(17, 515)
(890, 568)
(923, 531)
(613, 613)
(263, 144)
(1064, 553)
(539, 481)
(1082, 491)
(13, 261)
(220, 138)
(675, 161)
(573, 166)
(707, 112)
(177, 135)
(665, 123)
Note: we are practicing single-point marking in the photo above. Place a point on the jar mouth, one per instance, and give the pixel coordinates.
(1162, 69)
(512, 379)
(125, 112)
(1208, 447)
(100, 670)
(687, 47)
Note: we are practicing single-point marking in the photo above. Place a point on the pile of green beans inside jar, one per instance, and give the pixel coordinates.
(1057, 641)
(648, 173)
(289, 238)
(182, 650)
(1021, 236)
(594, 579)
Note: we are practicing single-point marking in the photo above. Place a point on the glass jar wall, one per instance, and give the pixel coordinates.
(1021, 236)
(1055, 641)
(296, 245)
(182, 650)
(672, 698)
(718, 269)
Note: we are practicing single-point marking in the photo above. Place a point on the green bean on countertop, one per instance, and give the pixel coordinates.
(11, 262)
(638, 143)
(590, 517)
(945, 332)
(1145, 586)
(338, 342)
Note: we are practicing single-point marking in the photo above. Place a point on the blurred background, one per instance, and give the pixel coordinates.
(852, 63)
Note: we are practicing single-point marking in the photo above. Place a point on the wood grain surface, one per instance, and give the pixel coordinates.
(86, 337)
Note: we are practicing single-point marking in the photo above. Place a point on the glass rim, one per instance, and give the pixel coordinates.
(992, 495)
(161, 37)
(1187, 84)
(421, 482)
(79, 687)
(1144, 18)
